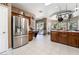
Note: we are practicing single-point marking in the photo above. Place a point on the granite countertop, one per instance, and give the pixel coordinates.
(65, 31)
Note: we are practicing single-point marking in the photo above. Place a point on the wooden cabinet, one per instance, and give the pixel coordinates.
(63, 37)
(78, 42)
(54, 36)
(30, 35)
(73, 39)
(68, 38)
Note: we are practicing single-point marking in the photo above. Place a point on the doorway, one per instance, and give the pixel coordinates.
(41, 26)
(3, 29)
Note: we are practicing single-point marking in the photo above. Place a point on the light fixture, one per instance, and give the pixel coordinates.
(76, 11)
(76, 8)
(40, 11)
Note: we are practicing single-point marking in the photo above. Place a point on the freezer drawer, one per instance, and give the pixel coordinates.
(24, 40)
(17, 42)
(20, 41)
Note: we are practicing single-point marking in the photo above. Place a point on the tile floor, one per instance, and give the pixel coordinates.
(43, 46)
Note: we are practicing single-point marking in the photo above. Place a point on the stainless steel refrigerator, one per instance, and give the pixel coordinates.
(19, 29)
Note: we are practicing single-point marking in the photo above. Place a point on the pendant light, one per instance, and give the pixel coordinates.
(65, 16)
(76, 7)
(76, 12)
(60, 19)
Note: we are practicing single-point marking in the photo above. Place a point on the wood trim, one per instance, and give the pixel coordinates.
(9, 26)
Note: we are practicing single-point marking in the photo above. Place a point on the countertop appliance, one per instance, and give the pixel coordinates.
(19, 31)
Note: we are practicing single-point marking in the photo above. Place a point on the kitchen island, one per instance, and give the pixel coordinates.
(70, 38)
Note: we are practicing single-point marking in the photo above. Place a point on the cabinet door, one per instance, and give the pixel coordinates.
(30, 36)
(3, 29)
(72, 41)
(63, 38)
(78, 42)
(54, 36)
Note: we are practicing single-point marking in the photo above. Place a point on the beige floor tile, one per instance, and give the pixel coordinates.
(42, 45)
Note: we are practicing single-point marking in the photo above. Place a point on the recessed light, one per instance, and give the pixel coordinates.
(40, 11)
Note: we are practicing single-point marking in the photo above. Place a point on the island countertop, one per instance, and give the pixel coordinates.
(64, 31)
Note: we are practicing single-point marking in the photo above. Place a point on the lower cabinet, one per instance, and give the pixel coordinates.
(78, 43)
(63, 37)
(72, 42)
(54, 36)
(68, 38)
(30, 35)
(73, 39)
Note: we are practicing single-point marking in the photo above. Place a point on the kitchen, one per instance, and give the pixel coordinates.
(61, 26)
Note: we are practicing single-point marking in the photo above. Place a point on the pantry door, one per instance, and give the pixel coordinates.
(3, 29)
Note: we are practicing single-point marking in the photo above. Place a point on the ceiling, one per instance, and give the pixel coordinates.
(36, 8)
(41, 10)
